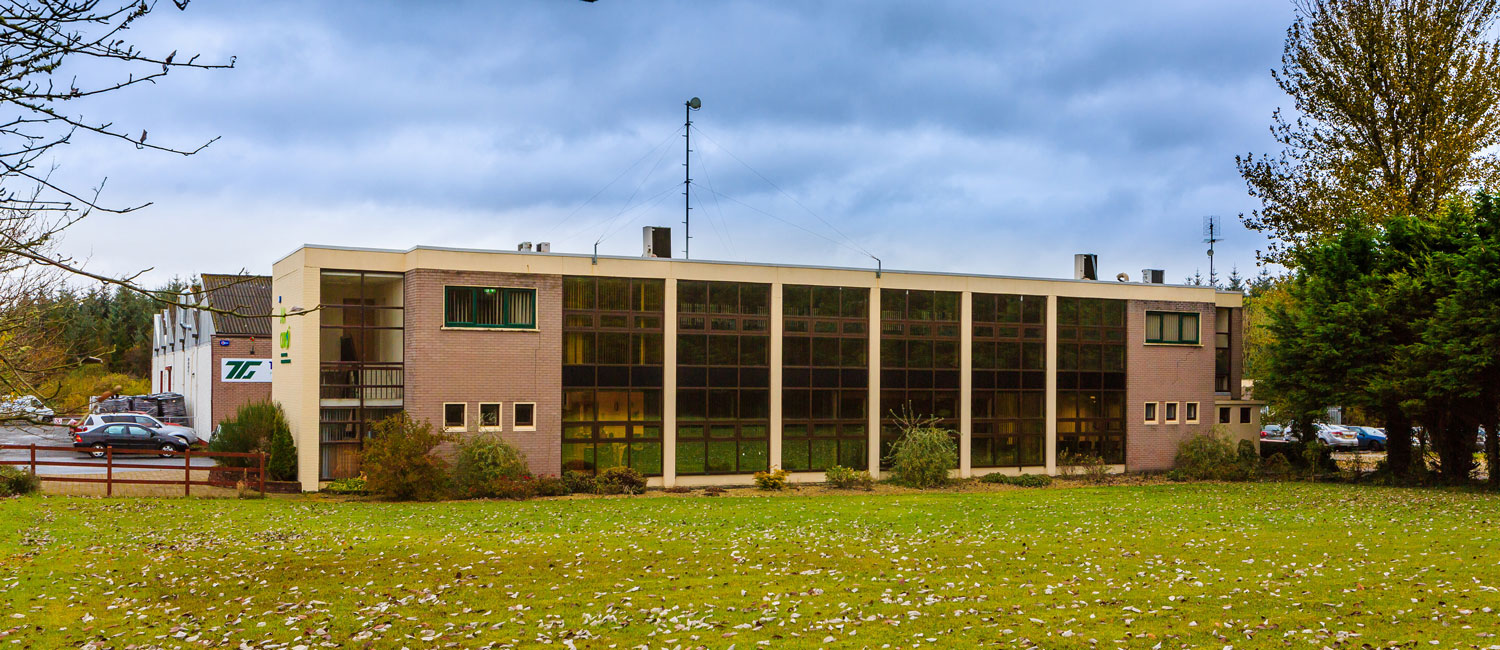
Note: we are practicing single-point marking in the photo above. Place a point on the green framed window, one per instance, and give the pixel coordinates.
(1171, 327)
(489, 307)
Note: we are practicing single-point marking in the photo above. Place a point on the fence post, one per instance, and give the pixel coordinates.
(33, 459)
(187, 472)
(261, 476)
(109, 471)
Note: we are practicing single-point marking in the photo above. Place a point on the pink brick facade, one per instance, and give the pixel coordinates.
(1166, 373)
(491, 365)
(228, 397)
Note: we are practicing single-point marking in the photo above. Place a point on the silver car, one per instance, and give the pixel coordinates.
(188, 436)
(1338, 437)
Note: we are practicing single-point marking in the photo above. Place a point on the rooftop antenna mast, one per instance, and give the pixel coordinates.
(1212, 233)
(687, 176)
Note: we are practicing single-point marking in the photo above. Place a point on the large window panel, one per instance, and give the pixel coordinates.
(612, 374)
(919, 365)
(825, 370)
(1091, 377)
(723, 377)
(1009, 383)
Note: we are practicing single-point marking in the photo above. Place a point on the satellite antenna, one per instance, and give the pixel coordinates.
(1212, 232)
(687, 176)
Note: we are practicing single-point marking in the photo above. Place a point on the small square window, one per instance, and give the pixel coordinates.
(489, 416)
(1244, 415)
(1190, 412)
(1171, 416)
(1224, 415)
(1150, 412)
(455, 417)
(525, 416)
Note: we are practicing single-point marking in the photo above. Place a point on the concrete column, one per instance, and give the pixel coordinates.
(966, 384)
(874, 432)
(1051, 445)
(669, 386)
(777, 313)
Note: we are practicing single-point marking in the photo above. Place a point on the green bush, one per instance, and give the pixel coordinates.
(351, 485)
(1095, 470)
(922, 456)
(580, 482)
(518, 489)
(1316, 457)
(255, 428)
(620, 480)
(1211, 457)
(16, 482)
(482, 462)
(774, 480)
(552, 486)
(844, 478)
(398, 461)
(281, 463)
(1277, 465)
(1022, 480)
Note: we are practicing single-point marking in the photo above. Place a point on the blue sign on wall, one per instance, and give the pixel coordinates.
(223, 343)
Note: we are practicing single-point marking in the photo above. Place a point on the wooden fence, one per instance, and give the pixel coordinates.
(111, 479)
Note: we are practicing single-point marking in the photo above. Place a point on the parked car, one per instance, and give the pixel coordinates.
(1336, 436)
(1272, 432)
(188, 436)
(126, 435)
(25, 407)
(1370, 438)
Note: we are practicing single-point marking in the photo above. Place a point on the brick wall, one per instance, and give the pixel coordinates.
(1165, 373)
(228, 397)
(495, 365)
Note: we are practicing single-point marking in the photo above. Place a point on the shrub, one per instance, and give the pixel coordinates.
(1095, 470)
(620, 480)
(774, 480)
(923, 455)
(1211, 457)
(580, 482)
(844, 478)
(256, 428)
(484, 460)
(1316, 456)
(16, 482)
(281, 464)
(1067, 463)
(1277, 465)
(552, 486)
(398, 460)
(351, 485)
(1022, 480)
(504, 487)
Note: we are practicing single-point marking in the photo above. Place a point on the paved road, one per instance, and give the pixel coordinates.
(49, 436)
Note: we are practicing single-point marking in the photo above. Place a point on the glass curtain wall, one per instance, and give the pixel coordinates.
(825, 377)
(612, 374)
(1009, 416)
(919, 364)
(361, 374)
(1091, 377)
(723, 377)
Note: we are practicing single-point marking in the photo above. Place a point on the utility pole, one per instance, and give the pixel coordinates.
(687, 176)
(1211, 236)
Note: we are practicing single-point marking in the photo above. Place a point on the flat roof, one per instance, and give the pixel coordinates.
(731, 263)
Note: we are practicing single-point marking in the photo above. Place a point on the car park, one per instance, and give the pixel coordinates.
(126, 435)
(1336, 436)
(1370, 438)
(188, 436)
(25, 407)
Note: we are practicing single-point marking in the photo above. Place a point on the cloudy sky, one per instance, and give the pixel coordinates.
(950, 136)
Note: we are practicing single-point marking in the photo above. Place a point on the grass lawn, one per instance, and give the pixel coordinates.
(1266, 565)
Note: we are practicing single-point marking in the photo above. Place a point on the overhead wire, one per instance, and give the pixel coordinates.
(723, 224)
(581, 206)
(788, 195)
(627, 206)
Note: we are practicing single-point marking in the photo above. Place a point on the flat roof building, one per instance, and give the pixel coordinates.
(699, 372)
